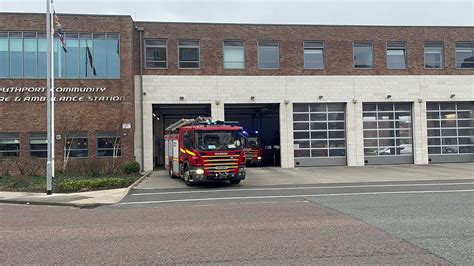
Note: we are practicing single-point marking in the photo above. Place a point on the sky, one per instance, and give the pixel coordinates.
(339, 12)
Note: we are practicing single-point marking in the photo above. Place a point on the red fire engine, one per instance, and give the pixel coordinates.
(200, 149)
(253, 151)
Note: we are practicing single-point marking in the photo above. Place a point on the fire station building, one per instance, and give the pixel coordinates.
(315, 95)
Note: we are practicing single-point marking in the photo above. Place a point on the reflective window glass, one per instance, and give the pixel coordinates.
(234, 55)
(189, 55)
(156, 53)
(113, 58)
(396, 55)
(4, 70)
(465, 55)
(363, 55)
(313, 55)
(434, 55)
(9, 145)
(16, 57)
(268, 55)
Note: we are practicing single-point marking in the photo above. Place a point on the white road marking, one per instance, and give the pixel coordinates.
(297, 188)
(298, 196)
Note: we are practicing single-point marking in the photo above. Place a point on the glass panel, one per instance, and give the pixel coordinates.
(465, 123)
(300, 117)
(465, 55)
(16, 57)
(336, 107)
(337, 152)
(369, 107)
(318, 108)
(434, 141)
(4, 72)
(464, 141)
(299, 107)
(370, 133)
(113, 58)
(449, 132)
(86, 60)
(318, 117)
(319, 126)
(188, 57)
(396, 59)
(302, 153)
(234, 57)
(301, 145)
(466, 149)
(432, 115)
(434, 150)
(432, 106)
(448, 106)
(300, 126)
(319, 134)
(301, 135)
(336, 125)
(433, 55)
(42, 57)
(337, 143)
(336, 116)
(319, 153)
(100, 57)
(363, 55)
(72, 59)
(449, 149)
(336, 134)
(319, 144)
(385, 107)
(313, 58)
(268, 57)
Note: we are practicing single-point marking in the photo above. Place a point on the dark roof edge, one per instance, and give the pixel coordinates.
(244, 24)
(64, 14)
(305, 25)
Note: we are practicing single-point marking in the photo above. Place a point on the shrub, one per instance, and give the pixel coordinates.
(75, 185)
(131, 167)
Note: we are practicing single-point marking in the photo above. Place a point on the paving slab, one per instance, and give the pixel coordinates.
(267, 176)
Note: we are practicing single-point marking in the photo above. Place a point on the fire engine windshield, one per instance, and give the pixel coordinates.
(218, 140)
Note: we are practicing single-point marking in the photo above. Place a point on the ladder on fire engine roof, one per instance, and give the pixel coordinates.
(186, 122)
(198, 121)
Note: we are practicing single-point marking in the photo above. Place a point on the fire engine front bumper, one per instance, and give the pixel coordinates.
(198, 175)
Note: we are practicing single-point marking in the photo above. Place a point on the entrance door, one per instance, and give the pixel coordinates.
(319, 134)
(388, 133)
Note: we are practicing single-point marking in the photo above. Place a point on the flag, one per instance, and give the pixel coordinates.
(59, 31)
(89, 55)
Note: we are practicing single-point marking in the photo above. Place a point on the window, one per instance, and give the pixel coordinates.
(89, 55)
(396, 55)
(234, 55)
(434, 56)
(9, 144)
(268, 55)
(188, 54)
(76, 145)
(313, 55)
(363, 55)
(38, 145)
(156, 54)
(465, 55)
(108, 144)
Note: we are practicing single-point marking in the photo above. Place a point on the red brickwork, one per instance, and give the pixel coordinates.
(338, 41)
(26, 117)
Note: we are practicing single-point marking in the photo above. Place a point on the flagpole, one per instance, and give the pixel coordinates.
(50, 99)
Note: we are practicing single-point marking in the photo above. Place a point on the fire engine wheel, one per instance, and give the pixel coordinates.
(234, 182)
(186, 178)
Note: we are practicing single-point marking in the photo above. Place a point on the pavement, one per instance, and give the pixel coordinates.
(86, 199)
(271, 176)
(256, 177)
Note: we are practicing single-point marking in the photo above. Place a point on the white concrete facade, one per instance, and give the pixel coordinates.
(286, 90)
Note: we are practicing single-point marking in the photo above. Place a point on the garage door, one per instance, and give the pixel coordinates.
(450, 132)
(319, 134)
(387, 133)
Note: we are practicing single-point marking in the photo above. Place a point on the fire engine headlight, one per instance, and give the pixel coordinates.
(200, 171)
(259, 158)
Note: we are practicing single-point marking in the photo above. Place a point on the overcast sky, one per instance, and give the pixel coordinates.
(361, 12)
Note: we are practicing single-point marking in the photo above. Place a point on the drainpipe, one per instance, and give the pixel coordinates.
(142, 142)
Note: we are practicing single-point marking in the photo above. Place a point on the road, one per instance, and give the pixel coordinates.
(360, 223)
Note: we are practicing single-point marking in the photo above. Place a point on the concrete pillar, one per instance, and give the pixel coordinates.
(217, 110)
(354, 134)
(148, 136)
(420, 133)
(286, 136)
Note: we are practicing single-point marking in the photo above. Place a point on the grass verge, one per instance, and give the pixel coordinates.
(65, 184)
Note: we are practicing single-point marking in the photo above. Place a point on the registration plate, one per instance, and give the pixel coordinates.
(221, 167)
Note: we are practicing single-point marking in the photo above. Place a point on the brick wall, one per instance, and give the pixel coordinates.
(78, 116)
(337, 41)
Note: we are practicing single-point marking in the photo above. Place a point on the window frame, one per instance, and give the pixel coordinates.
(36, 136)
(64, 61)
(223, 53)
(11, 136)
(107, 134)
(405, 54)
(456, 57)
(199, 53)
(353, 55)
(77, 135)
(323, 47)
(155, 46)
(442, 55)
(258, 54)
